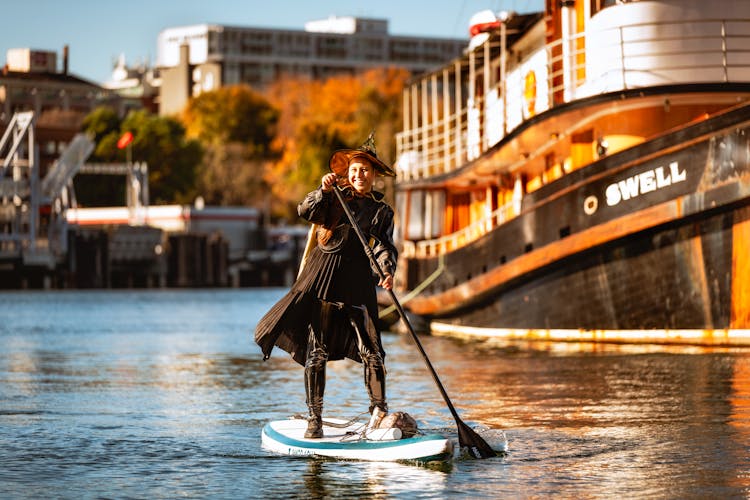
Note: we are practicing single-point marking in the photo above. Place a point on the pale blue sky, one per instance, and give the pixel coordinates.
(98, 31)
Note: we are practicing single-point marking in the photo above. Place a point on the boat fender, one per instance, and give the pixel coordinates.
(390, 434)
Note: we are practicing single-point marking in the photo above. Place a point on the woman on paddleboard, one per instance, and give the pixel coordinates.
(328, 313)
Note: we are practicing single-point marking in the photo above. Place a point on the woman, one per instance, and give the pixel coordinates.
(328, 313)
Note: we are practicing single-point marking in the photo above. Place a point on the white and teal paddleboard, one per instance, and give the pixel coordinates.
(353, 443)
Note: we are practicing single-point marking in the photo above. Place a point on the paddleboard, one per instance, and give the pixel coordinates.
(353, 443)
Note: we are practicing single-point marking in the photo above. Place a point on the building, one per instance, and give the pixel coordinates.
(138, 86)
(198, 58)
(30, 81)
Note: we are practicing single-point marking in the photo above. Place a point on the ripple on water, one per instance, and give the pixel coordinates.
(146, 395)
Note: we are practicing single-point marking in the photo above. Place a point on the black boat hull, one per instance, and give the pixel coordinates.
(655, 237)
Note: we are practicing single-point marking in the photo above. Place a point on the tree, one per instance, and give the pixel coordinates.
(236, 146)
(103, 125)
(101, 122)
(237, 126)
(159, 141)
(172, 158)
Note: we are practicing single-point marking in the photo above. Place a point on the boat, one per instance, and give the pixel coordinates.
(583, 174)
(352, 441)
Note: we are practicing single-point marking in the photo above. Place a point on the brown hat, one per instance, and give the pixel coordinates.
(339, 162)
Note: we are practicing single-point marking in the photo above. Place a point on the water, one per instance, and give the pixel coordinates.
(162, 394)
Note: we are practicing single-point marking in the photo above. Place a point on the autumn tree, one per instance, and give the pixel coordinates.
(159, 141)
(263, 150)
(317, 118)
(237, 126)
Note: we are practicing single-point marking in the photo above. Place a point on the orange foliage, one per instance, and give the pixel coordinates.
(316, 118)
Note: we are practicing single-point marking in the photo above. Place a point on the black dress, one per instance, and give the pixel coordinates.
(337, 270)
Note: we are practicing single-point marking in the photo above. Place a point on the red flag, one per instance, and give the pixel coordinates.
(126, 139)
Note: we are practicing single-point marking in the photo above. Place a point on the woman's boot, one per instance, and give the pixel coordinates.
(315, 384)
(375, 383)
(372, 359)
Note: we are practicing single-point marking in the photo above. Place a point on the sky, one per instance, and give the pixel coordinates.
(99, 31)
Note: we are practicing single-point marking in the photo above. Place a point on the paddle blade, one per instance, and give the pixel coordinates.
(473, 442)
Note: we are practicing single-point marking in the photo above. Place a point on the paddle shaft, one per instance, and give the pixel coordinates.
(396, 302)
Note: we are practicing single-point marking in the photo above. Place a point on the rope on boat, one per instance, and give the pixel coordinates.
(418, 289)
(336, 425)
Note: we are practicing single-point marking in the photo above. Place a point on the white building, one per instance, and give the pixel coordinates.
(215, 55)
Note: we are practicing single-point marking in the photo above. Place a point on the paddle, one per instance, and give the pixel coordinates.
(467, 437)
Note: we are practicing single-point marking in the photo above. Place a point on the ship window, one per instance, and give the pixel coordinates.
(564, 231)
(528, 248)
(434, 214)
(415, 229)
(597, 5)
(503, 260)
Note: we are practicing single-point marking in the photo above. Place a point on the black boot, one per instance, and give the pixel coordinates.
(315, 384)
(375, 381)
(372, 359)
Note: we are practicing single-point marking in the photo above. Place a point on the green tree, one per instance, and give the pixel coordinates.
(101, 122)
(172, 158)
(103, 125)
(159, 141)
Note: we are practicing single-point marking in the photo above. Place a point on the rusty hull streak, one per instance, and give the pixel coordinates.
(740, 314)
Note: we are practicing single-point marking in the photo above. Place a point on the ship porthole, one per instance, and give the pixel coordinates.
(590, 205)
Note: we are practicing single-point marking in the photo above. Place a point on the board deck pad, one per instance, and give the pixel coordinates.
(351, 442)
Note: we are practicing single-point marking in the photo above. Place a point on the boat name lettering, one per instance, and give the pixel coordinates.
(645, 182)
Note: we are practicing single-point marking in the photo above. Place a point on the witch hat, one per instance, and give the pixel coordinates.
(339, 162)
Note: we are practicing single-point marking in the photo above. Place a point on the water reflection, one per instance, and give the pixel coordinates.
(610, 417)
(162, 395)
(328, 478)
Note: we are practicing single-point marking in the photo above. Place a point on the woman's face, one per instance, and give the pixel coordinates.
(361, 175)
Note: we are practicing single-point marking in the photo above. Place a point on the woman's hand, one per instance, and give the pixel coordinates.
(328, 181)
(386, 282)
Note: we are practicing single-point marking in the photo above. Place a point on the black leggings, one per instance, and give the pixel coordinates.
(367, 343)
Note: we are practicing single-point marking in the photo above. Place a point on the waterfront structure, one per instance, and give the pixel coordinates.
(190, 245)
(582, 173)
(198, 58)
(33, 201)
(41, 113)
(47, 242)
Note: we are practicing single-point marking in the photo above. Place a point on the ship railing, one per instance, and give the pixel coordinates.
(460, 238)
(444, 128)
(432, 154)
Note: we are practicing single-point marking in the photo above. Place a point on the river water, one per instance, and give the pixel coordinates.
(162, 394)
